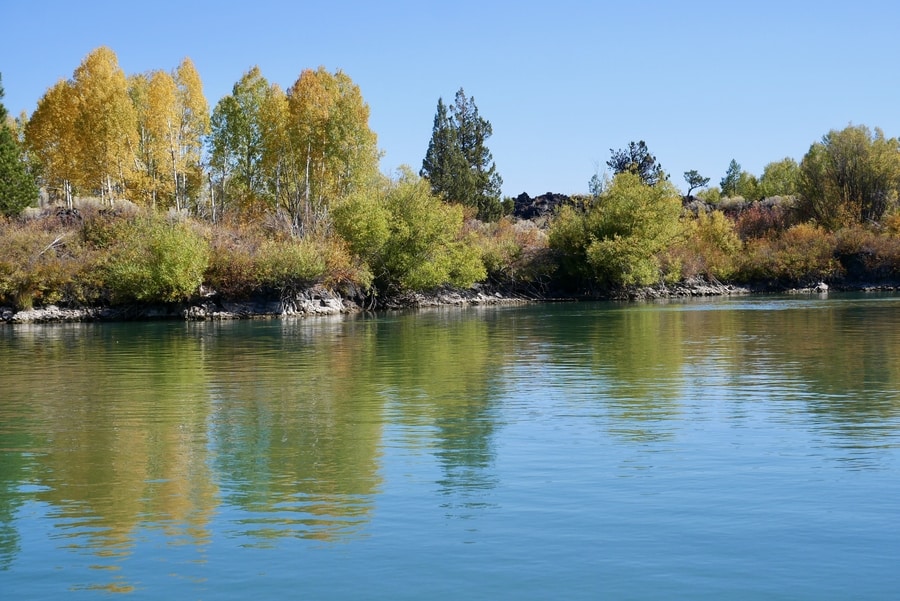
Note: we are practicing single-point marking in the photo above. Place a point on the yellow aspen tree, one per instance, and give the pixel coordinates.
(274, 120)
(51, 136)
(331, 138)
(163, 118)
(193, 126)
(106, 124)
(142, 175)
(152, 95)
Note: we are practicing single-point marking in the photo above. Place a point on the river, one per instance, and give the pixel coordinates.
(733, 448)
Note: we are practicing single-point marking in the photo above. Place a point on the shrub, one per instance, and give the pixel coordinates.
(408, 238)
(232, 269)
(761, 219)
(617, 242)
(892, 224)
(246, 261)
(289, 264)
(865, 253)
(152, 260)
(39, 264)
(709, 248)
(513, 252)
(711, 195)
(802, 254)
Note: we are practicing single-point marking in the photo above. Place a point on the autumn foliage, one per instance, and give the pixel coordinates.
(153, 197)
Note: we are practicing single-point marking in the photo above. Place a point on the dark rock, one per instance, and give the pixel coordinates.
(525, 207)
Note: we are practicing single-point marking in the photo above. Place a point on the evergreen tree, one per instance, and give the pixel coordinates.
(444, 159)
(637, 159)
(694, 180)
(729, 184)
(17, 187)
(458, 164)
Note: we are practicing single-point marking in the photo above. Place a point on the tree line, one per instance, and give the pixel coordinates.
(274, 189)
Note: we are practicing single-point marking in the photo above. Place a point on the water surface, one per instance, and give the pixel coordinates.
(741, 448)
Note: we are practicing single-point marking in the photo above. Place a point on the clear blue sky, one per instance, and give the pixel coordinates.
(561, 82)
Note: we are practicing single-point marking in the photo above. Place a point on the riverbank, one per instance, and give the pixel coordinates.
(315, 301)
(321, 301)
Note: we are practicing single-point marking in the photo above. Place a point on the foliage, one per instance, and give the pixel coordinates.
(636, 159)
(105, 123)
(32, 267)
(84, 131)
(711, 195)
(739, 183)
(290, 264)
(153, 95)
(332, 152)
(172, 120)
(236, 141)
(152, 260)
(694, 180)
(779, 178)
(409, 239)
(866, 253)
(851, 176)
(748, 186)
(244, 263)
(802, 254)
(192, 129)
(616, 242)
(51, 136)
(458, 164)
(764, 218)
(892, 224)
(17, 187)
(710, 247)
(514, 253)
(300, 151)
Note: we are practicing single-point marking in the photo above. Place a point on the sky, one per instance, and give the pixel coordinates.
(562, 82)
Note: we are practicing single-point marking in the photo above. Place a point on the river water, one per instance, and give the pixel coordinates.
(743, 448)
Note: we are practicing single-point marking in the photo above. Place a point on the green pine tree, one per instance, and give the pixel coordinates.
(729, 184)
(458, 164)
(444, 159)
(17, 187)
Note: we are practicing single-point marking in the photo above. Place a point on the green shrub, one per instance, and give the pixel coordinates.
(618, 240)
(408, 238)
(152, 260)
(289, 264)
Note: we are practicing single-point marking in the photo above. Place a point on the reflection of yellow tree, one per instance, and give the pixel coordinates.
(127, 423)
(297, 434)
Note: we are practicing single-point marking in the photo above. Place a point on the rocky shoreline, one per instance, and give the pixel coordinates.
(321, 301)
(315, 301)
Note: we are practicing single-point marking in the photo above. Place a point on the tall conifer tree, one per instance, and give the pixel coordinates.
(458, 163)
(17, 187)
